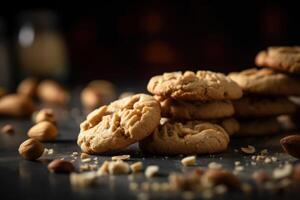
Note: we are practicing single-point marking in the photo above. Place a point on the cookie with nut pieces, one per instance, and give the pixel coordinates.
(119, 124)
(189, 138)
(281, 58)
(266, 82)
(202, 86)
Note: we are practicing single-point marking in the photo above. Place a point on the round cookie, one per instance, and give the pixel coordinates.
(258, 127)
(262, 106)
(266, 81)
(202, 85)
(192, 137)
(119, 124)
(187, 110)
(280, 58)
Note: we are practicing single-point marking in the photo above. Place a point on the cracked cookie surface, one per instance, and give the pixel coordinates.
(202, 85)
(187, 110)
(281, 58)
(260, 106)
(266, 81)
(119, 124)
(192, 137)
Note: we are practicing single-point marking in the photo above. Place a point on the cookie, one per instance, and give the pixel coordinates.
(230, 125)
(196, 110)
(258, 127)
(280, 58)
(202, 86)
(119, 124)
(266, 81)
(192, 137)
(262, 106)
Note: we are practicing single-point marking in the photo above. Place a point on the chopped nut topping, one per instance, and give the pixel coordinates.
(136, 167)
(151, 171)
(121, 157)
(189, 161)
(249, 149)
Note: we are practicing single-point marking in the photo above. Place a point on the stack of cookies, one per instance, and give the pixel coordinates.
(266, 91)
(196, 110)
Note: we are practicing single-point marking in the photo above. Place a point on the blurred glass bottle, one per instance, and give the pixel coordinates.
(5, 65)
(41, 47)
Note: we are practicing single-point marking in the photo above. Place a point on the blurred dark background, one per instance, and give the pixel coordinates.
(128, 43)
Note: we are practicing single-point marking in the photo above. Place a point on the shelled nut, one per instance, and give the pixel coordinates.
(31, 149)
(43, 131)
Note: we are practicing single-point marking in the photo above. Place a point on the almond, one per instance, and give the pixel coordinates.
(31, 149)
(45, 114)
(28, 87)
(43, 131)
(15, 105)
(61, 166)
(291, 145)
(50, 91)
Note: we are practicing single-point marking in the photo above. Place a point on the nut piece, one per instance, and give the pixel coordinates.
(8, 129)
(118, 167)
(83, 179)
(50, 91)
(213, 177)
(15, 105)
(61, 166)
(45, 114)
(188, 161)
(291, 145)
(121, 157)
(28, 87)
(31, 149)
(103, 170)
(260, 176)
(249, 149)
(215, 165)
(43, 131)
(283, 172)
(136, 167)
(84, 155)
(151, 171)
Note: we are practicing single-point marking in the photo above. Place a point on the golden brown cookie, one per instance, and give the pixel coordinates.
(230, 125)
(119, 124)
(258, 127)
(192, 137)
(280, 58)
(202, 85)
(261, 106)
(266, 81)
(195, 110)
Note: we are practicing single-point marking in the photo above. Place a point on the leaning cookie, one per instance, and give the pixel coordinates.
(266, 82)
(202, 86)
(258, 127)
(280, 58)
(193, 137)
(196, 110)
(262, 106)
(119, 124)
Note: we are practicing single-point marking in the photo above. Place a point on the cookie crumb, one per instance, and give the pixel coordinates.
(249, 149)
(84, 155)
(151, 171)
(85, 160)
(188, 161)
(121, 157)
(283, 172)
(136, 167)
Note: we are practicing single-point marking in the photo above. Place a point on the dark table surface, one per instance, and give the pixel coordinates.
(22, 179)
